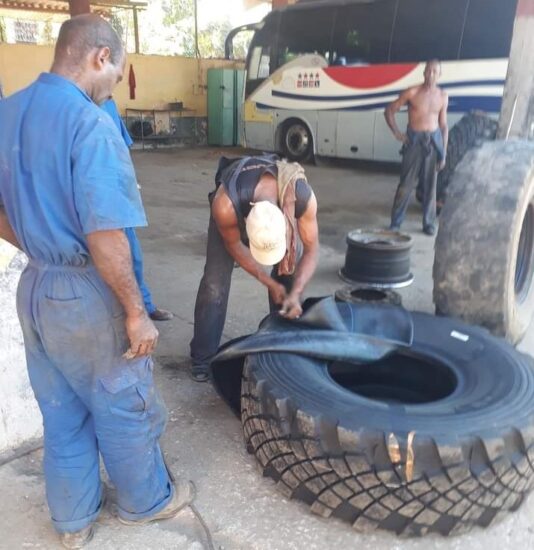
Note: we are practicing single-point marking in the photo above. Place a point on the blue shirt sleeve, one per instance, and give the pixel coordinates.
(106, 195)
(111, 109)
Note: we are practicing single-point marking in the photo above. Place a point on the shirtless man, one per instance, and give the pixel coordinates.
(247, 227)
(424, 148)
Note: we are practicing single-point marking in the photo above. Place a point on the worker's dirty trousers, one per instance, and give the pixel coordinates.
(419, 163)
(212, 298)
(92, 400)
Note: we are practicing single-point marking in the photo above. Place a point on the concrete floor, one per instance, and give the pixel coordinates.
(203, 439)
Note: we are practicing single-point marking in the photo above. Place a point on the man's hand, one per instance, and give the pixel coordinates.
(291, 308)
(142, 334)
(441, 165)
(278, 292)
(403, 138)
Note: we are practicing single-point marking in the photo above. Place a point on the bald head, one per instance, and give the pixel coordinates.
(90, 53)
(81, 35)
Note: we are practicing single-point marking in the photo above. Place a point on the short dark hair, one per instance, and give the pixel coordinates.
(82, 34)
(434, 62)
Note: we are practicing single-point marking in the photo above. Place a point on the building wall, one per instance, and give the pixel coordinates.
(159, 79)
(20, 419)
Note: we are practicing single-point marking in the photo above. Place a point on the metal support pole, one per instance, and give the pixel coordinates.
(197, 51)
(136, 30)
(517, 112)
(78, 7)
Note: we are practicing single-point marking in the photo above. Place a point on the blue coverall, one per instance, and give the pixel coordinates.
(135, 246)
(66, 172)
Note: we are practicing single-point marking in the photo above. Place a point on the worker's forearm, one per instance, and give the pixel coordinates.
(445, 134)
(111, 254)
(241, 254)
(6, 231)
(305, 270)
(392, 123)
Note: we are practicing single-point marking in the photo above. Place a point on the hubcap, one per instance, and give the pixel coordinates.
(297, 140)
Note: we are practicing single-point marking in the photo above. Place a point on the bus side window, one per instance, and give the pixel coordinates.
(260, 63)
(304, 31)
(362, 33)
(428, 29)
(488, 29)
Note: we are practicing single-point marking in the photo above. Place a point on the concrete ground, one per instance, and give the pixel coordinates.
(203, 439)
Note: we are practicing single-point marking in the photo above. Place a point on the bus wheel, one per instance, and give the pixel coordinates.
(484, 263)
(297, 141)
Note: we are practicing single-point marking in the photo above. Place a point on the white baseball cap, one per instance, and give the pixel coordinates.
(266, 231)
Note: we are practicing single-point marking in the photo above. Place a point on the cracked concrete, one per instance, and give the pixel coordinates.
(203, 439)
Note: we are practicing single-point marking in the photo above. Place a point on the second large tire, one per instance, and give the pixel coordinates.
(484, 252)
(470, 131)
(436, 439)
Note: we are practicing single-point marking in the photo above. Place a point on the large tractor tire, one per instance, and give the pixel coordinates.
(435, 438)
(484, 252)
(472, 130)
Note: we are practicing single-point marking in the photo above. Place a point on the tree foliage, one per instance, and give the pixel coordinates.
(179, 15)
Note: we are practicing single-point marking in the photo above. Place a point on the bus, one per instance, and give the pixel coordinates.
(320, 73)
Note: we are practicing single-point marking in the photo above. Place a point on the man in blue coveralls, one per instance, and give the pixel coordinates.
(67, 191)
(155, 313)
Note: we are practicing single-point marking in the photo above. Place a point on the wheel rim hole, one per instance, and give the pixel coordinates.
(369, 295)
(397, 379)
(524, 263)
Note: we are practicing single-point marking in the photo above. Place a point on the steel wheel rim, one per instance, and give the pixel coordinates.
(297, 140)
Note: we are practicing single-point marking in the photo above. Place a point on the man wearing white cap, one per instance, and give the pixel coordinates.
(263, 213)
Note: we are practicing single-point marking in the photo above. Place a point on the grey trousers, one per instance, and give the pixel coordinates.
(419, 163)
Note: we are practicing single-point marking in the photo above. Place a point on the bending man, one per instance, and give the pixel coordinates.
(424, 149)
(263, 213)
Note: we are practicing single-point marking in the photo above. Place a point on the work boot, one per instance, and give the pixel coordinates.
(184, 495)
(429, 230)
(77, 539)
(161, 315)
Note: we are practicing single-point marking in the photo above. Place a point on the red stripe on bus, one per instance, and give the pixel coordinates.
(525, 8)
(373, 76)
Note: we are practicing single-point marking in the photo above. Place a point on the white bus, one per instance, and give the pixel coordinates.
(319, 73)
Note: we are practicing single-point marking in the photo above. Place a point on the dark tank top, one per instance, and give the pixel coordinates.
(241, 176)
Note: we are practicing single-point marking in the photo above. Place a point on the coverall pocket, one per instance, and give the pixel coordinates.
(71, 331)
(129, 389)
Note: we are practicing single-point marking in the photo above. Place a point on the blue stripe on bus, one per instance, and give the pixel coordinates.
(288, 95)
(457, 104)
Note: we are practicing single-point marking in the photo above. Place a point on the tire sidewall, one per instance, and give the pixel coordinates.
(519, 313)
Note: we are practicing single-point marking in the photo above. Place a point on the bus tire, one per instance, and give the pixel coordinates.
(297, 141)
(470, 131)
(461, 459)
(484, 251)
